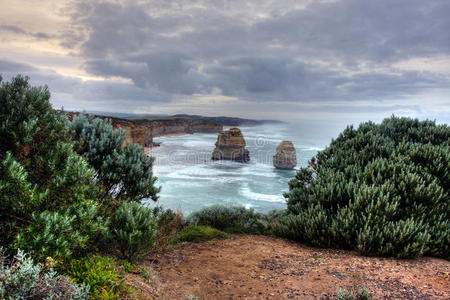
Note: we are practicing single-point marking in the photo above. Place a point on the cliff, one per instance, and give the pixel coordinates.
(143, 131)
(230, 145)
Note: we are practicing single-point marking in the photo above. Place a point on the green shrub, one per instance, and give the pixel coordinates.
(381, 190)
(169, 224)
(64, 233)
(230, 219)
(124, 172)
(100, 273)
(198, 234)
(40, 173)
(22, 279)
(133, 229)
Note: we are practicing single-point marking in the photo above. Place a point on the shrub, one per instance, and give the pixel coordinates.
(124, 172)
(198, 234)
(169, 224)
(40, 173)
(362, 294)
(100, 273)
(22, 279)
(344, 295)
(230, 219)
(133, 229)
(381, 190)
(64, 233)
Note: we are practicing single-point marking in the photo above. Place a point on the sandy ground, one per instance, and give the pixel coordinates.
(258, 267)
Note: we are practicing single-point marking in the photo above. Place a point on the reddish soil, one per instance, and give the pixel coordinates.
(259, 267)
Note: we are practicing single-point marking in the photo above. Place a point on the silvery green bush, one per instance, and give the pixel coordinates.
(125, 173)
(22, 279)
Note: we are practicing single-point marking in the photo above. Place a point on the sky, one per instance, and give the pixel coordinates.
(346, 60)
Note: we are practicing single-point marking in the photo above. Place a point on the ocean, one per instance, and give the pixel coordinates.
(190, 180)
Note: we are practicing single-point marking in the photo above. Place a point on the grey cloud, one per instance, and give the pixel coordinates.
(263, 52)
(11, 66)
(189, 47)
(19, 30)
(363, 30)
(78, 94)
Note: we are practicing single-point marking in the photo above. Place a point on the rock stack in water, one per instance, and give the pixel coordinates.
(286, 157)
(230, 145)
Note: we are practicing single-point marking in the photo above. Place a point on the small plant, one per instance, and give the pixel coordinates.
(169, 224)
(362, 294)
(100, 273)
(22, 279)
(200, 233)
(235, 219)
(134, 229)
(344, 295)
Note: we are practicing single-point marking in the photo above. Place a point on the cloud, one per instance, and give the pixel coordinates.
(162, 54)
(18, 30)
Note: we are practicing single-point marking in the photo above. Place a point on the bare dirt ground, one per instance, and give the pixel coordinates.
(259, 267)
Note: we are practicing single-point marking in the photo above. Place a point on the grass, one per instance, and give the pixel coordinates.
(198, 234)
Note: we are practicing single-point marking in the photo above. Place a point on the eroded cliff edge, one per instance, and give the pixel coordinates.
(143, 131)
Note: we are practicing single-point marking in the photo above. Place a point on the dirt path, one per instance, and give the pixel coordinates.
(258, 267)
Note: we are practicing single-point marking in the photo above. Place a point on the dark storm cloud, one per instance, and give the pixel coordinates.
(192, 47)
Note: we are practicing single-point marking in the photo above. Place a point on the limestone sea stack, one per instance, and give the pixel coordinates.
(230, 145)
(286, 157)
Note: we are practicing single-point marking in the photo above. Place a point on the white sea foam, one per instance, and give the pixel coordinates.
(246, 192)
(202, 172)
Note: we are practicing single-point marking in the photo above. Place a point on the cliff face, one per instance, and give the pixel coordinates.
(142, 132)
(177, 126)
(230, 145)
(285, 158)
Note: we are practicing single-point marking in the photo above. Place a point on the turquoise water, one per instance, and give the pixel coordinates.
(191, 180)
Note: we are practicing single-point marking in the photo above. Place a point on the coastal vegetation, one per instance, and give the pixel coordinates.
(71, 214)
(382, 189)
(67, 189)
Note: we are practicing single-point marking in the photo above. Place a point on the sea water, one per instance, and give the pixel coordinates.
(190, 180)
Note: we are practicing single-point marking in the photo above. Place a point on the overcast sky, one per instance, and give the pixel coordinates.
(279, 59)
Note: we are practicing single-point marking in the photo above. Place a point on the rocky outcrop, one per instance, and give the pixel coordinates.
(286, 157)
(230, 145)
(143, 131)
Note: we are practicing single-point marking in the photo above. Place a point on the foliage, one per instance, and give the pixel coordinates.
(362, 294)
(198, 234)
(133, 229)
(59, 234)
(100, 273)
(22, 279)
(169, 224)
(40, 173)
(124, 172)
(380, 189)
(230, 219)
